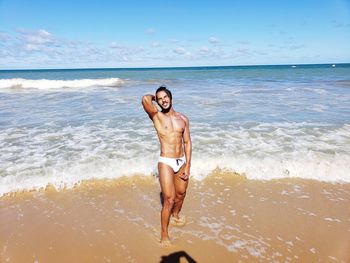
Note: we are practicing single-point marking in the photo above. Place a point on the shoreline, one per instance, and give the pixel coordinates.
(63, 187)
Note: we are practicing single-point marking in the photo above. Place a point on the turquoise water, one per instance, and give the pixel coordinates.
(63, 126)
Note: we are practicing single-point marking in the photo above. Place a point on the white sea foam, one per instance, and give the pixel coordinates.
(35, 157)
(47, 84)
(270, 151)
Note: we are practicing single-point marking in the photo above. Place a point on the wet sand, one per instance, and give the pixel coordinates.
(230, 219)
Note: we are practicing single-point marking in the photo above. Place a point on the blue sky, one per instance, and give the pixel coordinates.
(88, 34)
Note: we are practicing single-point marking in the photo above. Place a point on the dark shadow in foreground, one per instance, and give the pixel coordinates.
(175, 257)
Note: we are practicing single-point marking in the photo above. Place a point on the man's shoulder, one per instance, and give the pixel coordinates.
(182, 116)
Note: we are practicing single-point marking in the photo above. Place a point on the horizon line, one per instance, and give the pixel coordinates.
(177, 67)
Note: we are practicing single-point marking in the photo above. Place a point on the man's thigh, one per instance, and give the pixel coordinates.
(180, 184)
(166, 179)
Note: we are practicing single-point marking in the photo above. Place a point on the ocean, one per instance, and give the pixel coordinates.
(265, 122)
(270, 175)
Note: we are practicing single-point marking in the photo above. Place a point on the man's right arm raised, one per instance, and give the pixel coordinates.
(148, 106)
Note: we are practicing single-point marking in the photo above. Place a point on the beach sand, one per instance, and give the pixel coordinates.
(230, 219)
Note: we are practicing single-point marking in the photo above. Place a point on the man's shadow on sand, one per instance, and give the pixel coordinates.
(175, 258)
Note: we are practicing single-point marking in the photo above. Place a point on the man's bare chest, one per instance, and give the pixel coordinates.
(170, 125)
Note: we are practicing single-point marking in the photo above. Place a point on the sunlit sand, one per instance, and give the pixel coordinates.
(229, 219)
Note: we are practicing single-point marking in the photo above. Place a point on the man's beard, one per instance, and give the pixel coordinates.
(166, 110)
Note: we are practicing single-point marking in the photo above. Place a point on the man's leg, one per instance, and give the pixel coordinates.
(166, 179)
(180, 192)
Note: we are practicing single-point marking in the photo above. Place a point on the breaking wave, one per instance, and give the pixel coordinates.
(48, 84)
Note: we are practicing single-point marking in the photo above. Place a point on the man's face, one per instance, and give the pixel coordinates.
(163, 100)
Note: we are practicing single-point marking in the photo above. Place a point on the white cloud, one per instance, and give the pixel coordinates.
(213, 40)
(204, 50)
(173, 41)
(243, 51)
(38, 37)
(243, 43)
(155, 44)
(4, 37)
(41, 48)
(295, 46)
(125, 52)
(116, 45)
(39, 41)
(32, 47)
(150, 31)
(179, 50)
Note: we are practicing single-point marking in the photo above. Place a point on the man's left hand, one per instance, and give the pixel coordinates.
(186, 174)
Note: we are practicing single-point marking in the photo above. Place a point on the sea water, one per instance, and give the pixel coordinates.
(63, 126)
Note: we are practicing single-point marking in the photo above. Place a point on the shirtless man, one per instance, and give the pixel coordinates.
(175, 156)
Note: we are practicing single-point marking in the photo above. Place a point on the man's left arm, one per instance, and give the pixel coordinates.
(188, 148)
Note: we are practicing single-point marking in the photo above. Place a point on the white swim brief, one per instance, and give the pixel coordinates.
(174, 163)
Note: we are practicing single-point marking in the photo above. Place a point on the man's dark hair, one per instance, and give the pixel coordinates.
(164, 88)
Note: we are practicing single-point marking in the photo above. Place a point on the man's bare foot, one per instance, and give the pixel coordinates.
(178, 221)
(165, 242)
